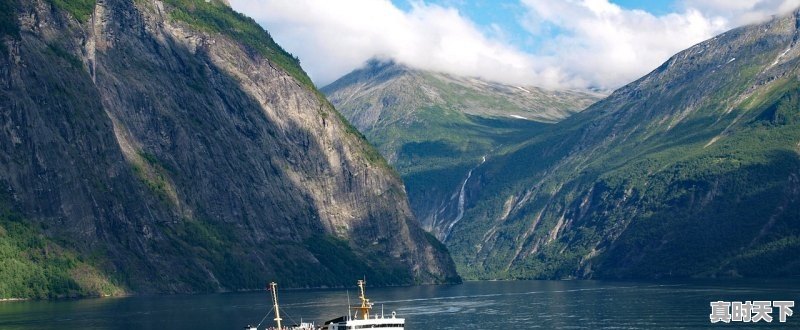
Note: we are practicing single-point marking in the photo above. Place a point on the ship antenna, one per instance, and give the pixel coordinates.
(274, 288)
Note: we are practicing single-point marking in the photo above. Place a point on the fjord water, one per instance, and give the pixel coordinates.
(472, 305)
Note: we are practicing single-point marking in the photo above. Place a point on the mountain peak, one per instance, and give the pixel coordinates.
(374, 71)
(630, 186)
(378, 63)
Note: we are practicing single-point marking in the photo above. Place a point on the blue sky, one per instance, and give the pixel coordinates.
(655, 6)
(549, 43)
(508, 15)
(485, 13)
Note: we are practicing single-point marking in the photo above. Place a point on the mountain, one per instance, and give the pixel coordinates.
(171, 146)
(691, 171)
(434, 128)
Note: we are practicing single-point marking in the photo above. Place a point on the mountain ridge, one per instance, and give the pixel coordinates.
(172, 146)
(630, 187)
(542, 105)
(435, 128)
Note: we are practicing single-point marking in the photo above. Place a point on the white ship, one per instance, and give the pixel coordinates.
(361, 317)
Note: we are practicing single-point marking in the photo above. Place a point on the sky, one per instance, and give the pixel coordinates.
(575, 44)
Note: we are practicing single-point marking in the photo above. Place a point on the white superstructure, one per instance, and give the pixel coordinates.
(361, 318)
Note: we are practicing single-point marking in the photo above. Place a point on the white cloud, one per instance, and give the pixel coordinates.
(332, 38)
(585, 43)
(606, 46)
(740, 12)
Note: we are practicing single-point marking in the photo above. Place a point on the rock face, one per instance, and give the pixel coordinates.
(693, 170)
(435, 128)
(177, 148)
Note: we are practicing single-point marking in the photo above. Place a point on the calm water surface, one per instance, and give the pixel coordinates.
(473, 305)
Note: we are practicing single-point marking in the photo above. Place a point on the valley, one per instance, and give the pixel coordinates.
(434, 128)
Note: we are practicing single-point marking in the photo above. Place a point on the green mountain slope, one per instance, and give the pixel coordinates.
(693, 170)
(434, 128)
(172, 146)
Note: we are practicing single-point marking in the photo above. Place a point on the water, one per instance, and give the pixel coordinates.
(473, 305)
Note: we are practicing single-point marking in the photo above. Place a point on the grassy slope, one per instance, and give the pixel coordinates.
(216, 17)
(435, 154)
(432, 141)
(79, 9)
(728, 208)
(32, 266)
(650, 198)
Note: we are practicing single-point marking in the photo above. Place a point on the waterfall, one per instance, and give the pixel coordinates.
(461, 200)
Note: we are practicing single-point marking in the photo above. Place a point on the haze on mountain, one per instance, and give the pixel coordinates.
(691, 171)
(553, 43)
(434, 128)
(172, 146)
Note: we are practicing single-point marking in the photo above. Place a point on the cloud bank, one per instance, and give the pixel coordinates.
(583, 43)
(741, 12)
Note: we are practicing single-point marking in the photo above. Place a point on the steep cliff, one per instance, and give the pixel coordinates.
(172, 146)
(692, 170)
(434, 128)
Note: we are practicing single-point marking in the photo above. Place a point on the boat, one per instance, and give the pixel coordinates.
(363, 319)
(273, 288)
(360, 318)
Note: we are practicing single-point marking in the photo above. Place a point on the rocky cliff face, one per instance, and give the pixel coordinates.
(176, 148)
(690, 171)
(435, 128)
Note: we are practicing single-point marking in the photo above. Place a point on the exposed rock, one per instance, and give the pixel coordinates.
(186, 160)
(689, 171)
(435, 128)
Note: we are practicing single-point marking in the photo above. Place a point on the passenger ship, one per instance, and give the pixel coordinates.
(362, 318)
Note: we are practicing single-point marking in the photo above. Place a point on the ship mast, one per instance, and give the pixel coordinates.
(274, 288)
(366, 306)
